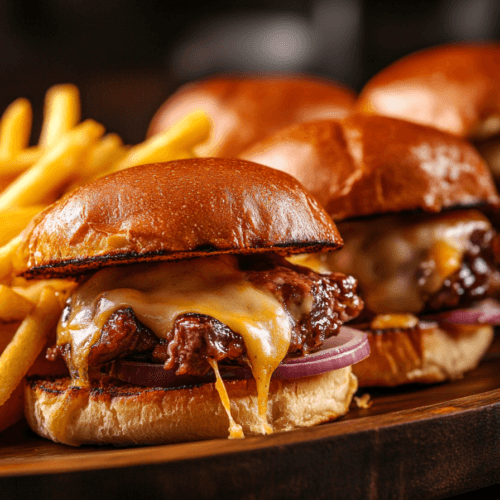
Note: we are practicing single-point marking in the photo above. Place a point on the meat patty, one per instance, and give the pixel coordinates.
(317, 306)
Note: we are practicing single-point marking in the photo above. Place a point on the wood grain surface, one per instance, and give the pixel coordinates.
(413, 442)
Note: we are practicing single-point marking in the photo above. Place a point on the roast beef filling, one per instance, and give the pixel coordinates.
(317, 306)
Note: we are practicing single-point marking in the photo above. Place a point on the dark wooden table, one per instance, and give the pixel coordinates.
(413, 442)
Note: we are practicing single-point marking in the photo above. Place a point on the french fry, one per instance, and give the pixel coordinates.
(173, 144)
(15, 128)
(61, 113)
(12, 222)
(19, 163)
(100, 160)
(32, 290)
(28, 342)
(7, 253)
(29, 156)
(105, 153)
(12, 410)
(55, 168)
(13, 307)
(5, 182)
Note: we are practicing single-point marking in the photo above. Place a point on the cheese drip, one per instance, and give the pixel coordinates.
(235, 430)
(159, 293)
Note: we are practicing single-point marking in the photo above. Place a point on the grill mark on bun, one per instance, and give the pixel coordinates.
(79, 267)
(108, 388)
(193, 208)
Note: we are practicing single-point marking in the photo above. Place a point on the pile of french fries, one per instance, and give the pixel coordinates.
(69, 154)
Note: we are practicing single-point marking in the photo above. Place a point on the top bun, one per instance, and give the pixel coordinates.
(368, 164)
(455, 88)
(245, 110)
(167, 211)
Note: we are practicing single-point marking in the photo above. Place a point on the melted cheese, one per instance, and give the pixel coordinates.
(159, 293)
(384, 255)
(235, 430)
(392, 321)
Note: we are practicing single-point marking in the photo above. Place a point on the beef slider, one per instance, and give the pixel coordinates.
(171, 242)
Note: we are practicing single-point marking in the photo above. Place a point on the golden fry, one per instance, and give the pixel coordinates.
(99, 160)
(19, 163)
(32, 289)
(56, 167)
(28, 342)
(15, 128)
(12, 222)
(12, 410)
(173, 144)
(7, 253)
(29, 156)
(108, 151)
(13, 306)
(61, 113)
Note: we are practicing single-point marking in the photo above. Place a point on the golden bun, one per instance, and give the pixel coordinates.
(170, 211)
(423, 355)
(454, 87)
(120, 414)
(368, 164)
(245, 110)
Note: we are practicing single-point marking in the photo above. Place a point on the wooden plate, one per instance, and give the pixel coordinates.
(415, 442)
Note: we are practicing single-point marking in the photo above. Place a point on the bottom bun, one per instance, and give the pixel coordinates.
(422, 355)
(111, 412)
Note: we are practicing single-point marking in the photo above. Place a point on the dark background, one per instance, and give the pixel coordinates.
(127, 56)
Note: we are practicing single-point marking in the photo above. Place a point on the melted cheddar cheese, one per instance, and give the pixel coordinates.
(159, 293)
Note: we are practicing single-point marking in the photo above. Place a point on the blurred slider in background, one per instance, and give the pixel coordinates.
(404, 197)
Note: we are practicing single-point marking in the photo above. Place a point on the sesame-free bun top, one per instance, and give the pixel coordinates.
(245, 110)
(454, 87)
(175, 210)
(367, 164)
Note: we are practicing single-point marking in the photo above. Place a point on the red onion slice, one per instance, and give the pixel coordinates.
(347, 348)
(487, 312)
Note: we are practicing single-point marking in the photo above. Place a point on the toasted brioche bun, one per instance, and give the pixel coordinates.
(367, 164)
(245, 110)
(455, 88)
(121, 414)
(176, 210)
(423, 355)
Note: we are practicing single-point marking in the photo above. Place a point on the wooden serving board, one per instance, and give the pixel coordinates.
(412, 443)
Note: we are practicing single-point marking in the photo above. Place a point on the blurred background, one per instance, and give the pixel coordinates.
(128, 56)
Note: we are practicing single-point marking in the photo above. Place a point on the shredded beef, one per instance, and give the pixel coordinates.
(333, 301)
(317, 306)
